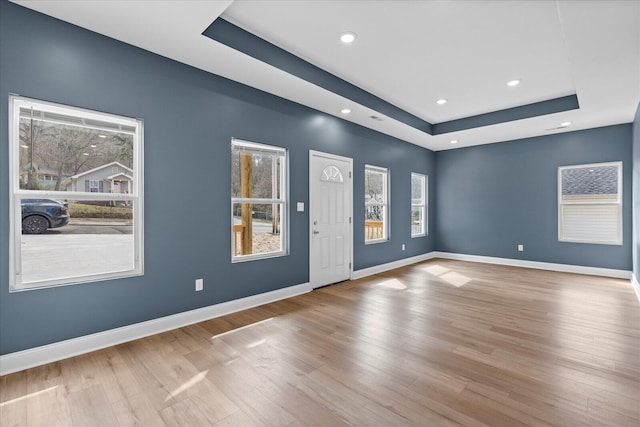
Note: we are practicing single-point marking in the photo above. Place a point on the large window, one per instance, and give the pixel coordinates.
(418, 205)
(376, 198)
(258, 201)
(85, 223)
(590, 203)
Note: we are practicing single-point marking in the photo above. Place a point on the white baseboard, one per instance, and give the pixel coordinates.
(566, 268)
(636, 285)
(20, 360)
(358, 274)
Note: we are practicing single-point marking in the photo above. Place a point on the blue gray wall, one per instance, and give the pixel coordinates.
(636, 194)
(493, 197)
(189, 118)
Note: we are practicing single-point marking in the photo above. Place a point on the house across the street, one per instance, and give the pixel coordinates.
(113, 177)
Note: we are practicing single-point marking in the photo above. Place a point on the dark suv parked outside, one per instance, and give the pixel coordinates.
(38, 215)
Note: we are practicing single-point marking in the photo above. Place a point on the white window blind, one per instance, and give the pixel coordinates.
(590, 203)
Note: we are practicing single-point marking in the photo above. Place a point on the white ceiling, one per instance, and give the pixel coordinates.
(409, 53)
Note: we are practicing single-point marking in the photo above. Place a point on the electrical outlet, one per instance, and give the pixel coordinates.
(199, 284)
(403, 248)
(520, 248)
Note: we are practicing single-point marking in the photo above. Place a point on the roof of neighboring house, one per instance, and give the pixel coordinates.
(102, 167)
(129, 177)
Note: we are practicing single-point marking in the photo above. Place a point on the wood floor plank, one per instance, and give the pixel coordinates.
(437, 343)
(88, 408)
(13, 399)
(49, 406)
(184, 413)
(136, 410)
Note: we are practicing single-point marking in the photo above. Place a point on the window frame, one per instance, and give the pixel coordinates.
(386, 185)
(136, 197)
(422, 206)
(283, 202)
(618, 203)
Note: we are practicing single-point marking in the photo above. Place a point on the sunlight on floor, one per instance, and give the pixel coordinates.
(28, 396)
(451, 277)
(186, 386)
(435, 269)
(455, 279)
(241, 328)
(256, 343)
(391, 284)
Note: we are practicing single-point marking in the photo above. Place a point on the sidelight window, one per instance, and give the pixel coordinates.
(376, 198)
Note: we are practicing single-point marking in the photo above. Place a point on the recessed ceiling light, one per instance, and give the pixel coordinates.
(345, 111)
(85, 154)
(513, 83)
(441, 101)
(24, 146)
(348, 37)
(454, 141)
(102, 136)
(565, 124)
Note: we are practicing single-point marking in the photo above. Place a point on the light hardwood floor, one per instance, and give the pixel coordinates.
(438, 343)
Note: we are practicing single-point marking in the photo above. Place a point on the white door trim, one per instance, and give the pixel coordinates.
(349, 160)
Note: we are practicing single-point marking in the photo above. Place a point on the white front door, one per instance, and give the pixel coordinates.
(330, 212)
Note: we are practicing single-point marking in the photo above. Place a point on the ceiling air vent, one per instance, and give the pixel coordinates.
(376, 118)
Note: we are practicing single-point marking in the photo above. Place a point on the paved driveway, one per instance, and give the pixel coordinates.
(77, 250)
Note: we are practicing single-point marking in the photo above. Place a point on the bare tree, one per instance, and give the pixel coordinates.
(68, 149)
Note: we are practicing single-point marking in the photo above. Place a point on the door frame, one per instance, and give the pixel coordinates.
(348, 209)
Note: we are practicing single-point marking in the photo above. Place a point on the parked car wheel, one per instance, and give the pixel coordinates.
(40, 214)
(34, 224)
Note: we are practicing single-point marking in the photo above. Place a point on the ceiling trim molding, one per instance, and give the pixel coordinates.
(243, 41)
(235, 37)
(542, 108)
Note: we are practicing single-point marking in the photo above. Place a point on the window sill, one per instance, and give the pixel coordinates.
(373, 242)
(245, 258)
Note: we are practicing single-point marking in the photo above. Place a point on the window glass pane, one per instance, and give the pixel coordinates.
(265, 173)
(590, 180)
(594, 182)
(374, 187)
(374, 229)
(73, 239)
(417, 220)
(259, 231)
(417, 186)
(70, 157)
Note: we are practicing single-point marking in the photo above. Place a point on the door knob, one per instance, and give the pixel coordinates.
(316, 232)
